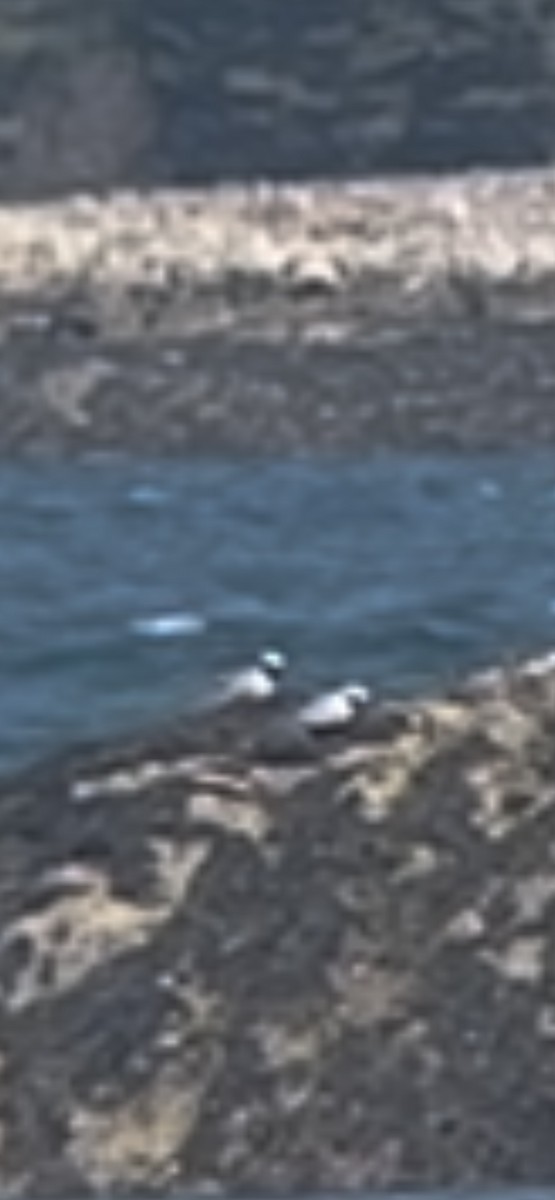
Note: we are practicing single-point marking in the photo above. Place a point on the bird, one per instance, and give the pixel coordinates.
(333, 711)
(255, 683)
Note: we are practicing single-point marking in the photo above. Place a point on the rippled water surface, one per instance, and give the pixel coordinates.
(128, 587)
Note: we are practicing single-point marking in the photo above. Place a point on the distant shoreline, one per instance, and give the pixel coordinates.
(276, 317)
(406, 237)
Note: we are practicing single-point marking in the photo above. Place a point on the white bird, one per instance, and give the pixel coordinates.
(256, 683)
(535, 668)
(335, 710)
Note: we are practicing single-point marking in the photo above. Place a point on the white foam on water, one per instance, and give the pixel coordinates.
(169, 625)
(489, 489)
(148, 494)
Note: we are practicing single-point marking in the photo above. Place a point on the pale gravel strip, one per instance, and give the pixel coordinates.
(498, 225)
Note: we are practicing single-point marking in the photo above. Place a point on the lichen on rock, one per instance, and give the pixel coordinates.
(250, 975)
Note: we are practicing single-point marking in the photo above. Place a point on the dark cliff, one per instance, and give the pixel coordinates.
(128, 92)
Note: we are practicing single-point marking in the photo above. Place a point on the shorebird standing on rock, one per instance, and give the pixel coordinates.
(334, 711)
(256, 683)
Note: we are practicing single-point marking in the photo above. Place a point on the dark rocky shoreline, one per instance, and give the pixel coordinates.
(233, 967)
(446, 385)
(450, 384)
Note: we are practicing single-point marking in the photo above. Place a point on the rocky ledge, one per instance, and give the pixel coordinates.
(234, 960)
(146, 259)
(279, 318)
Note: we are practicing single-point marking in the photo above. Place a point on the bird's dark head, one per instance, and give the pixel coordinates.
(273, 663)
(358, 696)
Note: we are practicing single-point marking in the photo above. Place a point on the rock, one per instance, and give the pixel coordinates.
(240, 319)
(223, 966)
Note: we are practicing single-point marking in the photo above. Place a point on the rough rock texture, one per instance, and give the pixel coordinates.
(130, 92)
(407, 236)
(280, 318)
(236, 961)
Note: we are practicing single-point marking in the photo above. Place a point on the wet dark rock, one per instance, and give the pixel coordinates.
(225, 962)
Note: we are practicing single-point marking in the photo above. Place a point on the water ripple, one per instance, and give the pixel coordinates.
(402, 570)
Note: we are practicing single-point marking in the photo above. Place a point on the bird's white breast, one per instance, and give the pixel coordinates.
(251, 684)
(330, 711)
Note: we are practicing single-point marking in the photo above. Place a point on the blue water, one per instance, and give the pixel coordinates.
(128, 587)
